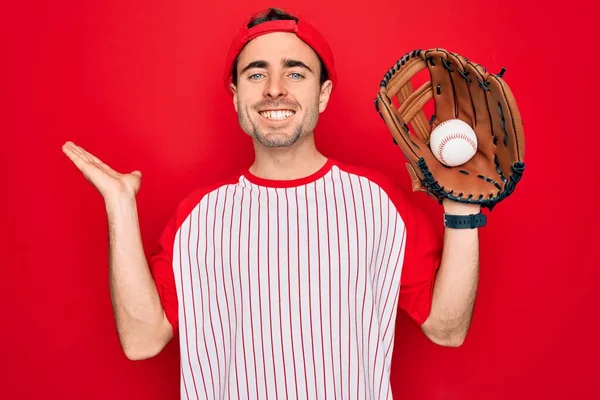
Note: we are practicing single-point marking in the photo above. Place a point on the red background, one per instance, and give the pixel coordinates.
(138, 84)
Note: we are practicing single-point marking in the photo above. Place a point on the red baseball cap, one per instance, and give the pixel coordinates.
(303, 29)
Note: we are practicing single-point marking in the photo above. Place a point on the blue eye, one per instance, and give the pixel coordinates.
(255, 76)
(296, 75)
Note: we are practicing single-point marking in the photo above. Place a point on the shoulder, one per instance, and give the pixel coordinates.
(383, 180)
(182, 211)
(190, 201)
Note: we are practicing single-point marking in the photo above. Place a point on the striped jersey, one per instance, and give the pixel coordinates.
(290, 289)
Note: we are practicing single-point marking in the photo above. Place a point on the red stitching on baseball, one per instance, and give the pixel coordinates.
(443, 123)
(450, 137)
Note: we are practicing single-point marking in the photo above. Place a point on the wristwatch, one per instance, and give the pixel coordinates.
(465, 221)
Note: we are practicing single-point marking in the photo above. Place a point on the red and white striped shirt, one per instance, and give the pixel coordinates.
(290, 289)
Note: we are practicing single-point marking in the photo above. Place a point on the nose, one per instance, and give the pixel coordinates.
(275, 87)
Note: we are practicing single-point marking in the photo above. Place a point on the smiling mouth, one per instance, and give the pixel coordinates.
(277, 115)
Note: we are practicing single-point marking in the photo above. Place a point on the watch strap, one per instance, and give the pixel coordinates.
(464, 221)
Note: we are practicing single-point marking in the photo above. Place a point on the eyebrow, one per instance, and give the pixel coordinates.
(295, 63)
(287, 63)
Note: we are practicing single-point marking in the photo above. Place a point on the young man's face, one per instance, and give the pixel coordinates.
(278, 96)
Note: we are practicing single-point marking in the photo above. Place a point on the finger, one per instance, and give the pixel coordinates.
(80, 159)
(441, 82)
(73, 154)
(91, 156)
(90, 171)
(85, 154)
(464, 101)
(101, 164)
(83, 165)
(71, 147)
(92, 159)
(476, 79)
(506, 122)
(80, 152)
(483, 124)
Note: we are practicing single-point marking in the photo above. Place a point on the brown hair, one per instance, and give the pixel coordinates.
(274, 14)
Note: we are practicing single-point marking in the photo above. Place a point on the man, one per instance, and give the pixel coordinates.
(285, 279)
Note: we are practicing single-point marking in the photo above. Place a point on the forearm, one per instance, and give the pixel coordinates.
(455, 286)
(141, 323)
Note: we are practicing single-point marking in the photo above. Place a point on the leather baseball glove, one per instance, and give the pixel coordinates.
(459, 89)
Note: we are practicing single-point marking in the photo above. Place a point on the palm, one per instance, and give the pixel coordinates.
(108, 181)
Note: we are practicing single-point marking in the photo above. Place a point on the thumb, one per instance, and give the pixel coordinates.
(136, 173)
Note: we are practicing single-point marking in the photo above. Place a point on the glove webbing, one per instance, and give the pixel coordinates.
(412, 102)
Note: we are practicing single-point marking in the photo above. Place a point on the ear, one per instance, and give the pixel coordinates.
(324, 95)
(234, 91)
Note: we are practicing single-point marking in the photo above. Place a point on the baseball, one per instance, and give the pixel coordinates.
(453, 142)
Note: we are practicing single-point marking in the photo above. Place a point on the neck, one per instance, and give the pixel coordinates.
(297, 161)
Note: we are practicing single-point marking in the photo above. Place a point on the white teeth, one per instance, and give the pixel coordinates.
(277, 115)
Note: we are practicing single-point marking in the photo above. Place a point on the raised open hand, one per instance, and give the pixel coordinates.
(109, 182)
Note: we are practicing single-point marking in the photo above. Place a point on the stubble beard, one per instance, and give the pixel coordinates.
(279, 137)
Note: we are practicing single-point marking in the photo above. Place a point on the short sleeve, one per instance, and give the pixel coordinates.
(161, 258)
(422, 258)
(161, 268)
